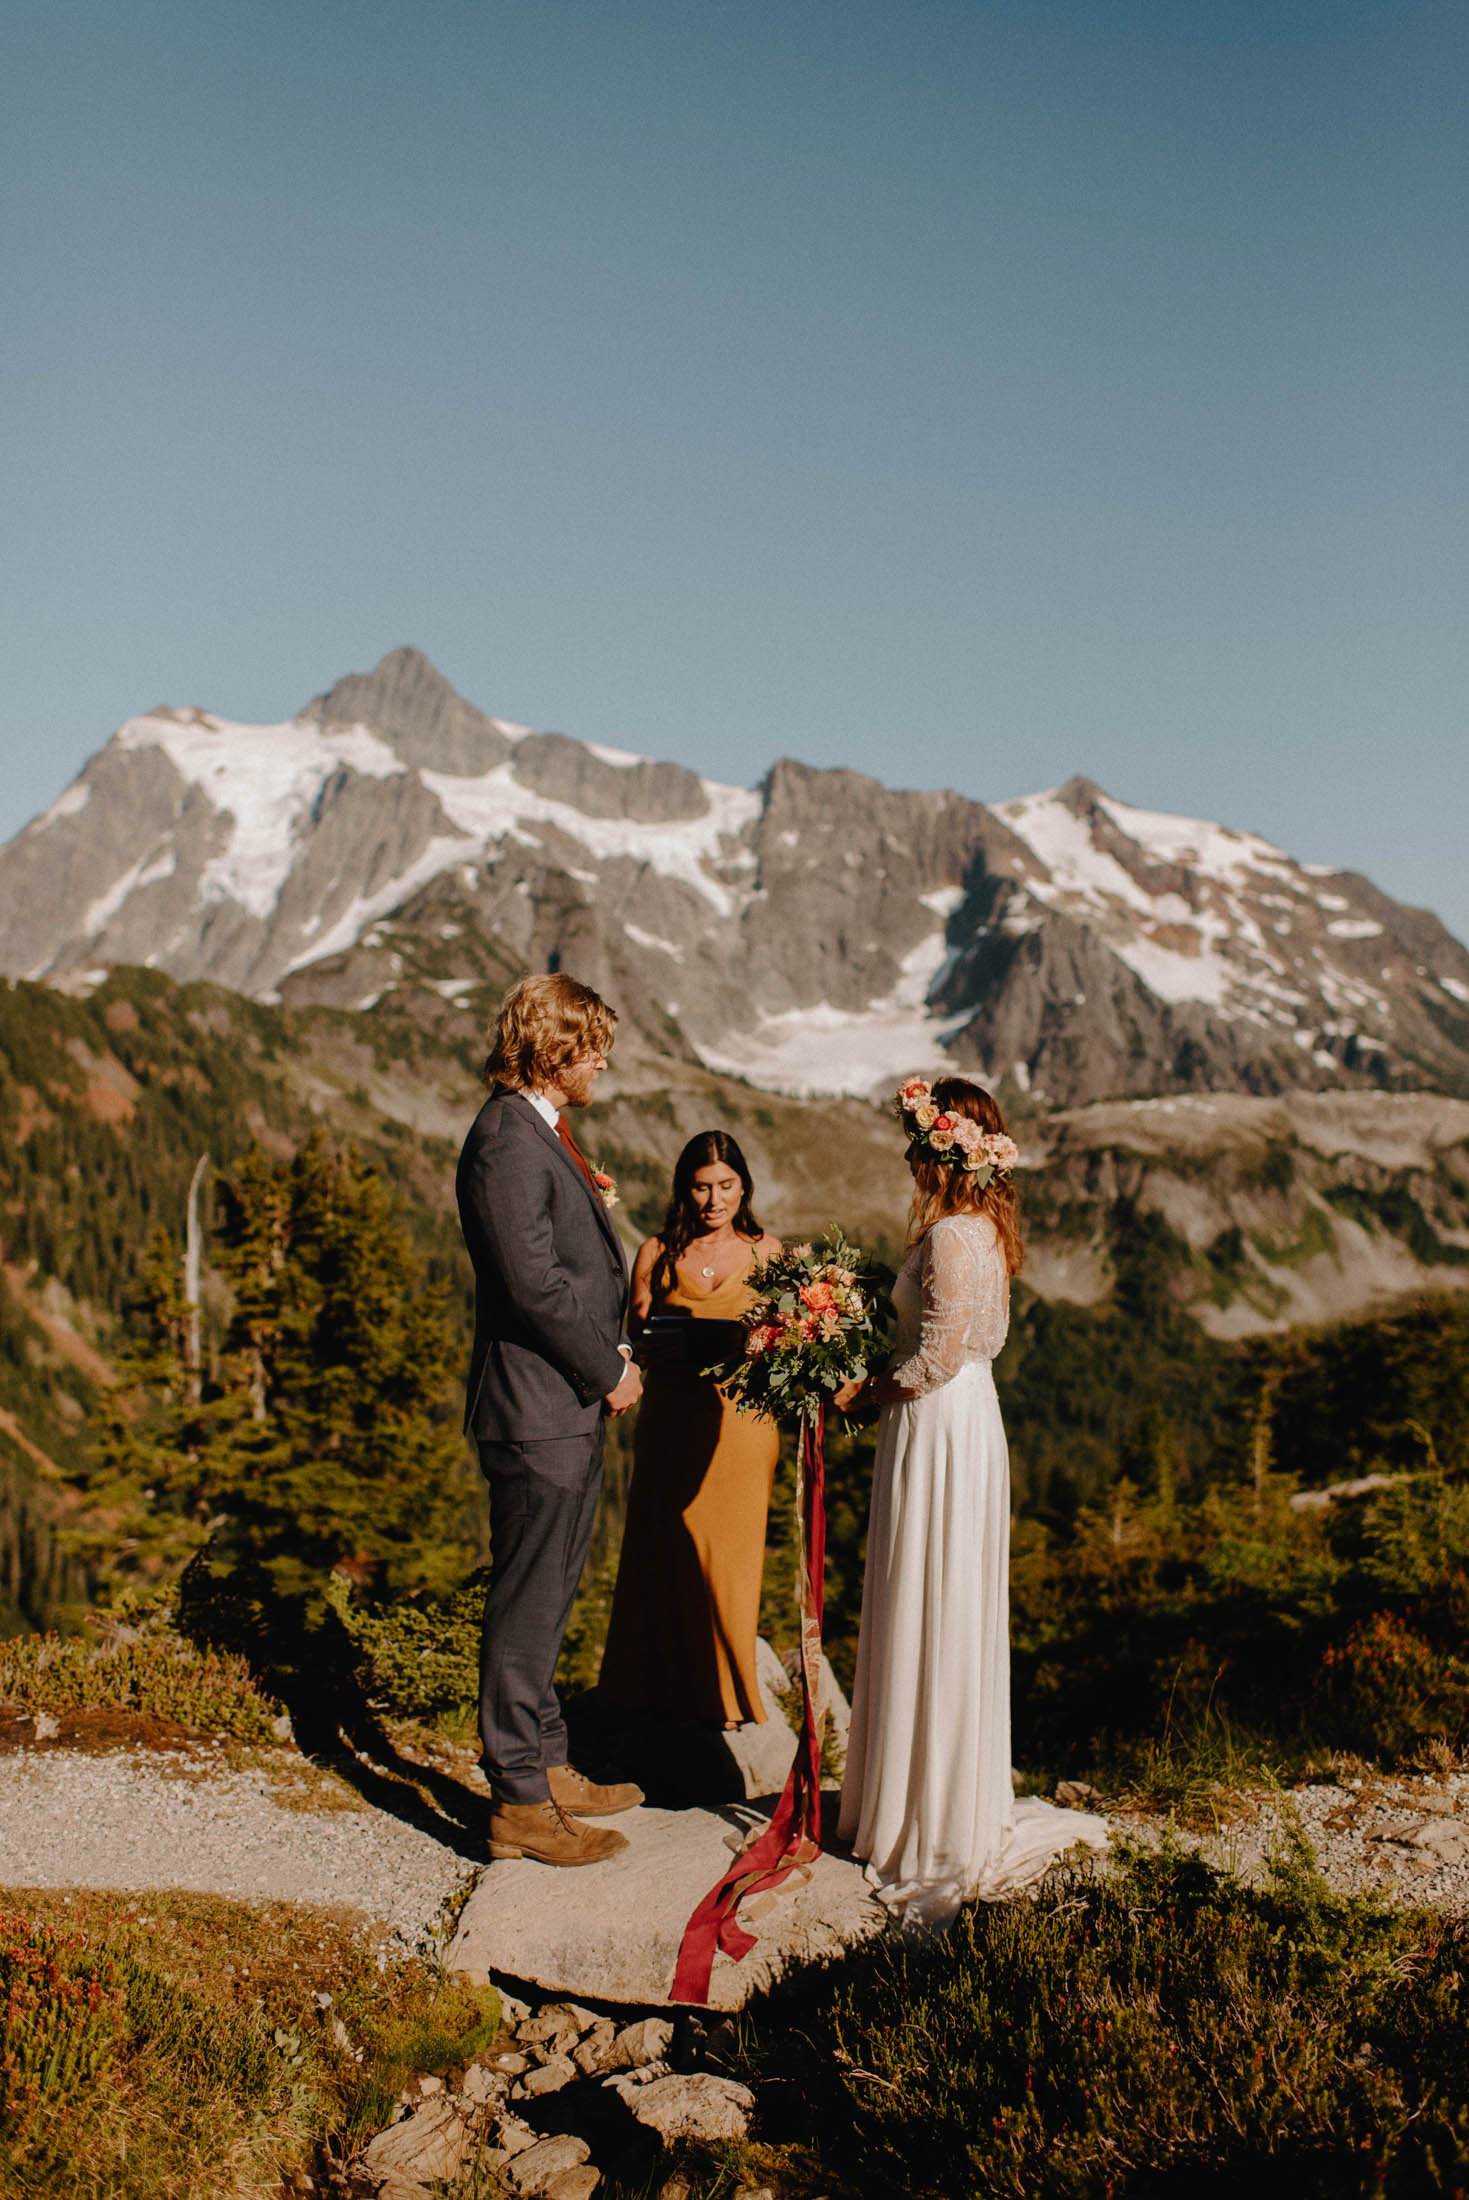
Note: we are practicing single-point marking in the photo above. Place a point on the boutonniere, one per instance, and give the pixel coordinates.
(607, 1186)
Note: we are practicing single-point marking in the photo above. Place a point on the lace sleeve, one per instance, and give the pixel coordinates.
(964, 1303)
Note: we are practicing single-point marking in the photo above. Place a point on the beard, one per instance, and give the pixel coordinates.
(576, 1080)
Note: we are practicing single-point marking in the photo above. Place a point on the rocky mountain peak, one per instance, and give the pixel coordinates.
(822, 933)
(407, 701)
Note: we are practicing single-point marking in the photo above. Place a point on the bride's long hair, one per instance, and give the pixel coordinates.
(942, 1188)
(681, 1223)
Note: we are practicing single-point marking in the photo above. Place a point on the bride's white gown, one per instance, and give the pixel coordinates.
(927, 1798)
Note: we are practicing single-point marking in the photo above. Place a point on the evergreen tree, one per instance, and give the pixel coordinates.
(323, 1435)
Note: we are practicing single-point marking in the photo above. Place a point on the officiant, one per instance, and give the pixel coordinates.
(687, 1602)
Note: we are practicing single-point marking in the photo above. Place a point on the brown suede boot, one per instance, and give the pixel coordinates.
(572, 1790)
(542, 1831)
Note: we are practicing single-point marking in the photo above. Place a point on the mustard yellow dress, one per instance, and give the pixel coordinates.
(687, 1601)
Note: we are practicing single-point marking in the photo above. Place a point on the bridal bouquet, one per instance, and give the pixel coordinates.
(820, 1314)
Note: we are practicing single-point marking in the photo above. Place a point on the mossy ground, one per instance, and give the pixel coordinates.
(181, 2047)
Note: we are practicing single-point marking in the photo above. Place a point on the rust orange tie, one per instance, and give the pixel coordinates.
(575, 1152)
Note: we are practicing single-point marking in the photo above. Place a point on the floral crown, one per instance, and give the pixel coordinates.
(954, 1138)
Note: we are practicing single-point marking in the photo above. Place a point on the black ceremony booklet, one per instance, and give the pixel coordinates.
(680, 1339)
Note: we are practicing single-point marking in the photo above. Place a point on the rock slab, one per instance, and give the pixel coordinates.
(695, 2105)
(433, 2142)
(612, 1930)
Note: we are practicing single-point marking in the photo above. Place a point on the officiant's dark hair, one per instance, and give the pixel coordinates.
(681, 1223)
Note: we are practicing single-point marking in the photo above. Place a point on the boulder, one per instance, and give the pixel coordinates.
(1434, 1841)
(515, 2137)
(557, 2027)
(535, 2171)
(598, 2052)
(574, 2184)
(480, 2084)
(681, 1762)
(612, 1930)
(433, 2142)
(550, 2078)
(623, 2082)
(693, 2105)
(647, 2041)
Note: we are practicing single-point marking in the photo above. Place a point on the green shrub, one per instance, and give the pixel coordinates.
(157, 1672)
(1163, 2029)
(420, 1656)
(1238, 1630)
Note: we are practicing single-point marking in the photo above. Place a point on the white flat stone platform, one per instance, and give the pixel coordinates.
(611, 1931)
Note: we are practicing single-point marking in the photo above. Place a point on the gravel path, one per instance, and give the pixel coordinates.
(139, 1821)
(1404, 1838)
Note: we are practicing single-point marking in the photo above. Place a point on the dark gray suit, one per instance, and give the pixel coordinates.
(550, 1304)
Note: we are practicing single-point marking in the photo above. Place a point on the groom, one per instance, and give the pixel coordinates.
(549, 1366)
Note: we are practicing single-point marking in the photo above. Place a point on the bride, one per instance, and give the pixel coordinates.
(927, 1798)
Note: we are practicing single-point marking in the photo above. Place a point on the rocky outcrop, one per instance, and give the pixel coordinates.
(611, 1931)
(418, 714)
(601, 786)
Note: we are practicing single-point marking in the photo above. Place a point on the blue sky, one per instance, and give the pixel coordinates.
(972, 394)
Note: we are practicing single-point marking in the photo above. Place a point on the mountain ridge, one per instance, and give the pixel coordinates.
(820, 932)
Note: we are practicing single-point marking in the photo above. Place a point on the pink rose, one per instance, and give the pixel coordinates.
(911, 1089)
(967, 1134)
(818, 1296)
(940, 1141)
(1003, 1151)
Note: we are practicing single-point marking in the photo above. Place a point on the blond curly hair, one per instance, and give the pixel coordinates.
(544, 1023)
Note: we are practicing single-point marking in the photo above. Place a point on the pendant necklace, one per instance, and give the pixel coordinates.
(706, 1271)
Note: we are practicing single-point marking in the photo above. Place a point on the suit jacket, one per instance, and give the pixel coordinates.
(550, 1280)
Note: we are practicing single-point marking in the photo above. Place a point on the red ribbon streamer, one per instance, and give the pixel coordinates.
(793, 1836)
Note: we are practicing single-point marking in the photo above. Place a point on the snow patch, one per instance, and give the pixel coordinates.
(267, 778)
(1354, 928)
(439, 855)
(809, 1051)
(1216, 850)
(660, 946)
(1175, 977)
(67, 803)
(1064, 844)
(100, 913)
(487, 808)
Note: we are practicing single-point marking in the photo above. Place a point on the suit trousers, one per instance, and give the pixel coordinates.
(543, 1500)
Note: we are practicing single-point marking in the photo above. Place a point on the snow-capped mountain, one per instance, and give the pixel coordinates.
(821, 933)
